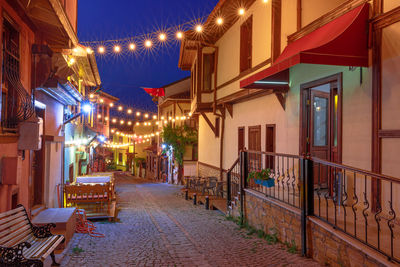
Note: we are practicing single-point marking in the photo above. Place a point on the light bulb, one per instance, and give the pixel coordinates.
(117, 49)
(220, 21)
(241, 11)
(148, 43)
(179, 35)
(162, 37)
(101, 49)
(199, 28)
(132, 46)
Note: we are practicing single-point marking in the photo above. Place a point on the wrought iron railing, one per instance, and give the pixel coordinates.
(284, 169)
(233, 176)
(360, 203)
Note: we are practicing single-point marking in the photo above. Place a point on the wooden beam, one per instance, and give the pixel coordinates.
(298, 15)
(208, 122)
(229, 107)
(389, 133)
(282, 99)
(276, 29)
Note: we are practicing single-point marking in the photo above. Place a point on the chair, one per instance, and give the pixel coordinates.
(211, 185)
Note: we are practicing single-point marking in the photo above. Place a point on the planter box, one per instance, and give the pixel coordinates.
(266, 183)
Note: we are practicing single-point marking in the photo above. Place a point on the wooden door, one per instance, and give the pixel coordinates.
(241, 140)
(270, 145)
(254, 144)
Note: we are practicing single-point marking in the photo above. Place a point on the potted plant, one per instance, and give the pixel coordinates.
(262, 177)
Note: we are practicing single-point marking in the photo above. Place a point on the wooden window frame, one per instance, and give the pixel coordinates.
(244, 138)
(246, 43)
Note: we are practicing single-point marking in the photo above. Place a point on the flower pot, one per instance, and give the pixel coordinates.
(268, 183)
(257, 181)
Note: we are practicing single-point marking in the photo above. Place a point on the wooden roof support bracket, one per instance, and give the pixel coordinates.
(229, 107)
(212, 127)
(282, 99)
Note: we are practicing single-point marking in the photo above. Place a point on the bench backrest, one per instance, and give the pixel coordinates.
(15, 227)
(87, 190)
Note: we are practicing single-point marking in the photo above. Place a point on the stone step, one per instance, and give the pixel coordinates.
(36, 210)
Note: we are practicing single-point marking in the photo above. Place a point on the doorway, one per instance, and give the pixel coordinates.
(270, 145)
(254, 145)
(321, 124)
(38, 167)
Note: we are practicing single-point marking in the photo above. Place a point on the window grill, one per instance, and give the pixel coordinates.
(18, 105)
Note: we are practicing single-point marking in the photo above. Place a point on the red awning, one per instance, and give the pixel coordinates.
(341, 42)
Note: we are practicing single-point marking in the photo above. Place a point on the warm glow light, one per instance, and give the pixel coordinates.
(165, 121)
(138, 113)
(137, 124)
(120, 108)
(106, 118)
(112, 130)
(71, 61)
(146, 115)
(101, 49)
(162, 37)
(241, 11)
(91, 95)
(157, 122)
(149, 123)
(162, 117)
(190, 114)
(75, 50)
(154, 117)
(179, 35)
(117, 49)
(129, 123)
(122, 122)
(129, 111)
(111, 105)
(114, 120)
(148, 43)
(99, 116)
(199, 28)
(89, 50)
(132, 46)
(145, 124)
(101, 100)
(265, 1)
(220, 21)
(169, 118)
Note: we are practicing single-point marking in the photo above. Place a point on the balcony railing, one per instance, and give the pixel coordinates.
(361, 204)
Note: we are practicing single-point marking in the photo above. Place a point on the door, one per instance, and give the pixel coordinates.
(270, 145)
(255, 144)
(241, 139)
(38, 167)
(321, 126)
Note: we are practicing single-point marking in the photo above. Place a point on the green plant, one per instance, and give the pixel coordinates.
(291, 247)
(177, 138)
(263, 174)
(77, 250)
(272, 238)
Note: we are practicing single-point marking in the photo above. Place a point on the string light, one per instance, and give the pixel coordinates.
(199, 28)
(101, 49)
(101, 100)
(129, 111)
(106, 118)
(71, 61)
(179, 35)
(99, 116)
(111, 105)
(162, 37)
(132, 46)
(220, 21)
(148, 43)
(120, 108)
(137, 124)
(265, 1)
(241, 11)
(122, 122)
(146, 115)
(138, 113)
(129, 123)
(91, 95)
(117, 49)
(114, 120)
(154, 117)
(89, 50)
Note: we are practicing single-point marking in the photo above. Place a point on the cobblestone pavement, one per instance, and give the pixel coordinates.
(158, 228)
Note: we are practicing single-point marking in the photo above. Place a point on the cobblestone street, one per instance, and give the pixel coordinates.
(157, 228)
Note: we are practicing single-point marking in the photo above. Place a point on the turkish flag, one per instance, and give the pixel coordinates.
(154, 91)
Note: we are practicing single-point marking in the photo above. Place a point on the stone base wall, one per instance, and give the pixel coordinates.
(263, 213)
(205, 170)
(326, 245)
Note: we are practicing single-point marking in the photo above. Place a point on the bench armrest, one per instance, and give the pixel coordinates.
(43, 231)
(13, 255)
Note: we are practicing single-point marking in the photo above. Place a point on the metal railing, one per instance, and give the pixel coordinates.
(284, 169)
(362, 204)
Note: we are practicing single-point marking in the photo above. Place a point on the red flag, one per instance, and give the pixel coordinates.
(154, 91)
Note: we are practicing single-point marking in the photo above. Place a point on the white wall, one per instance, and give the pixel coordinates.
(53, 173)
(313, 9)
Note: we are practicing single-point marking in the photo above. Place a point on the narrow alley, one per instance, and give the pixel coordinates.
(157, 227)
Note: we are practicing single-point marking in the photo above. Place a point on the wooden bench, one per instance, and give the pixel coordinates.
(23, 244)
(87, 193)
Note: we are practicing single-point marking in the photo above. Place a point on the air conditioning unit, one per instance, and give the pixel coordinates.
(30, 134)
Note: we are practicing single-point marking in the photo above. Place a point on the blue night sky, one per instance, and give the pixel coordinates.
(123, 75)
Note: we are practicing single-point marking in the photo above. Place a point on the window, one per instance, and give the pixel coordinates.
(120, 158)
(241, 145)
(9, 94)
(246, 31)
(208, 70)
(255, 144)
(120, 139)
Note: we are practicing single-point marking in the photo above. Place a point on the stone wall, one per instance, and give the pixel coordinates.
(265, 214)
(326, 245)
(205, 170)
